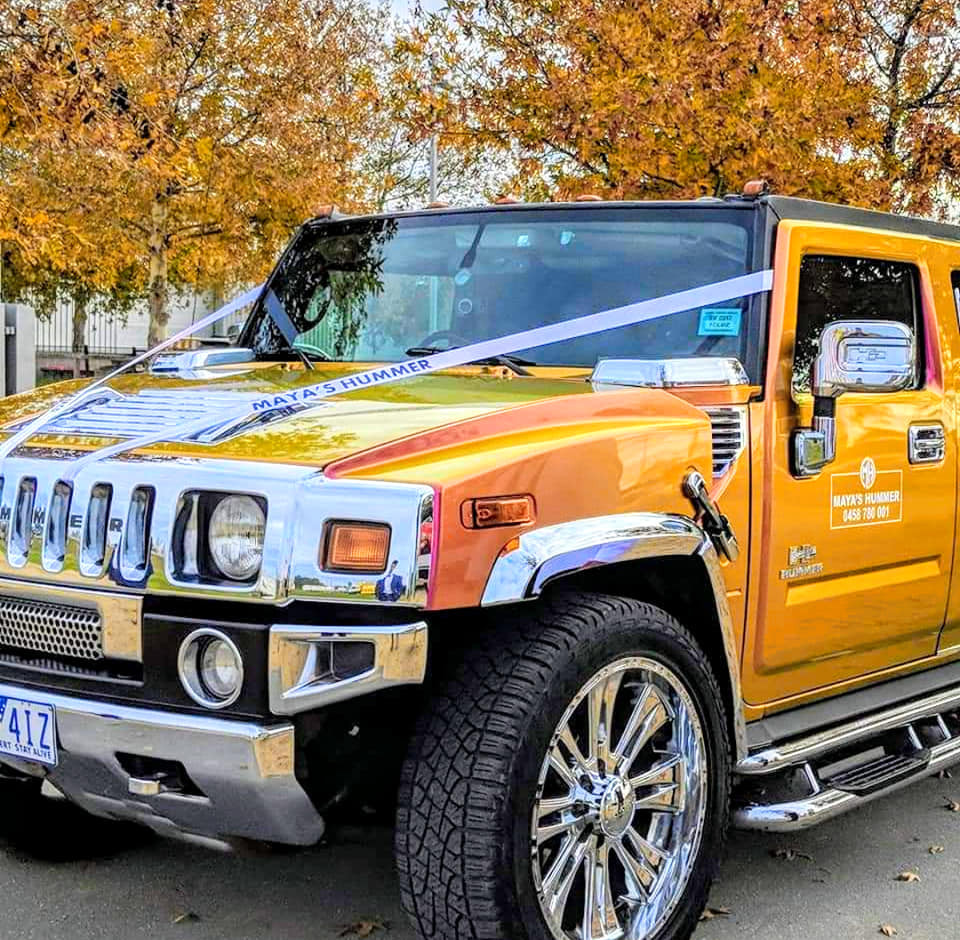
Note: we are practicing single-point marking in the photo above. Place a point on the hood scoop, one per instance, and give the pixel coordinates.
(152, 411)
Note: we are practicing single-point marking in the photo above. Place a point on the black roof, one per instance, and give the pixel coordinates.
(782, 207)
(789, 207)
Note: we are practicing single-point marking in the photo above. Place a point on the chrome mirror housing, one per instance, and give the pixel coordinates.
(864, 356)
(854, 356)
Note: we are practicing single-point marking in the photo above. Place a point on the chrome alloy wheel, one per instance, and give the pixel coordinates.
(620, 805)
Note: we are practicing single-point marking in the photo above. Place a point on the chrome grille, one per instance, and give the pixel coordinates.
(57, 629)
(729, 436)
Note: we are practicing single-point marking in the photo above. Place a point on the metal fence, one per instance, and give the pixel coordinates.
(107, 339)
(103, 334)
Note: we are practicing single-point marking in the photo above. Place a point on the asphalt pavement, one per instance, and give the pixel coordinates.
(835, 882)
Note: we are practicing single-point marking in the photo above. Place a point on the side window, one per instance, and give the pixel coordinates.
(839, 288)
(955, 284)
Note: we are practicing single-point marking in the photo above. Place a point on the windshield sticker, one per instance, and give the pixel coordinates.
(869, 497)
(719, 321)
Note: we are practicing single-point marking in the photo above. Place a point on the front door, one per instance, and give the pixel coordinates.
(853, 566)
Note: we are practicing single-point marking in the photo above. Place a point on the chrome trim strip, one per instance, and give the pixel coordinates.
(245, 770)
(298, 682)
(779, 756)
(193, 359)
(827, 803)
(553, 551)
(670, 373)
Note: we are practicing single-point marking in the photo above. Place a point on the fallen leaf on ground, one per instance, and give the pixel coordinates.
(935, 849)
(363, 928)
(953, 806)
(790, 855)
(907, 876)
(185, 918)
(888, 930)
(710, 912)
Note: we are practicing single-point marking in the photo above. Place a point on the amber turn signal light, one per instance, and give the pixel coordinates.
(357, 546)
(497, 510)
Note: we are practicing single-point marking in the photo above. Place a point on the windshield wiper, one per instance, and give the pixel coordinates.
(511, 362)
(306, 356)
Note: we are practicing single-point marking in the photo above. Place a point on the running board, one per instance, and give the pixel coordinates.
(804, 782)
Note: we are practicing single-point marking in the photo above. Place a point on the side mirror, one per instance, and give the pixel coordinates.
(854, 356)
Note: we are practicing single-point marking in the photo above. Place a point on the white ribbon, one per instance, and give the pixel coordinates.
(629, 315)
(75, 401)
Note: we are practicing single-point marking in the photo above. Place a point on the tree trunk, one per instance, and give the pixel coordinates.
(78, 339)
(159, 245)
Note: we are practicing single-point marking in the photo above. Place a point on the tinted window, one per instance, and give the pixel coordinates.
(370, 289)
(955, 284)
(837, 288)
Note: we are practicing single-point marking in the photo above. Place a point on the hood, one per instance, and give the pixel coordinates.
(331, 430)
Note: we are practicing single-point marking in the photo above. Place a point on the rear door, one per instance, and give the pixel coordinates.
(854, 564)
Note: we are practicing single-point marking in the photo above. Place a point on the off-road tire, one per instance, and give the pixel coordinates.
(468, 784)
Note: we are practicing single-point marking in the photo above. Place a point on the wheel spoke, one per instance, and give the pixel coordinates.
(560, 878)
(600, 705)
(646, 851)
(640, 875)
(649, 715)
(665, 798)
(599, 914)
(550, 830)
(562, 768)
(559, 804)
(658, 771)
(567, 739)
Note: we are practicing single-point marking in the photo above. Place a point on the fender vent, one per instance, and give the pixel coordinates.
(729, 436)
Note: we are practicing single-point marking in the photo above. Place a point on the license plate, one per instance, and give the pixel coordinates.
(28, 730)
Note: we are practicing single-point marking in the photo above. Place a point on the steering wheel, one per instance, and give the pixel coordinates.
(452, 338)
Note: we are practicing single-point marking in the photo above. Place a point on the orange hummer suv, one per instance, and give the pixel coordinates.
(570, 533)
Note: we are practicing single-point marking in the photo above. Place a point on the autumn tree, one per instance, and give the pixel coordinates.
(185, 137)
(910, 63)
(633, 99)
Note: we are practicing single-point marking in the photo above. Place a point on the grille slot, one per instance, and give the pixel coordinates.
(56, 629)
(729, 436)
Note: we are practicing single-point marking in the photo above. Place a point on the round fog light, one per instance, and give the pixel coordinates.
(211, 668)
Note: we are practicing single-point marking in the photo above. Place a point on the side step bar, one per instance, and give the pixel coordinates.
(803, 782)
(799, 751)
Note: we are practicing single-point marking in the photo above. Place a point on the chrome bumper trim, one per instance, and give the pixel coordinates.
(799, 751)
(301, 674)
(245, 770)
(827, 803)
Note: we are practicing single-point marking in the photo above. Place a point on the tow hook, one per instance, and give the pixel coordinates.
(714, 522)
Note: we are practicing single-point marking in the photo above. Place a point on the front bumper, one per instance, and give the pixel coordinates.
(242, 773)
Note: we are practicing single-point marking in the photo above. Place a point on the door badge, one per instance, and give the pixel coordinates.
(800, 563)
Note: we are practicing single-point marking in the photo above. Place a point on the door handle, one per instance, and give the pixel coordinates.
(927, 443)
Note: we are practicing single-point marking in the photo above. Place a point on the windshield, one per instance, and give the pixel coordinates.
(374, 289)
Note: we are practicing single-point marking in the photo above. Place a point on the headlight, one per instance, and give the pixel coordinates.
(235, 537)
(211, 668)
